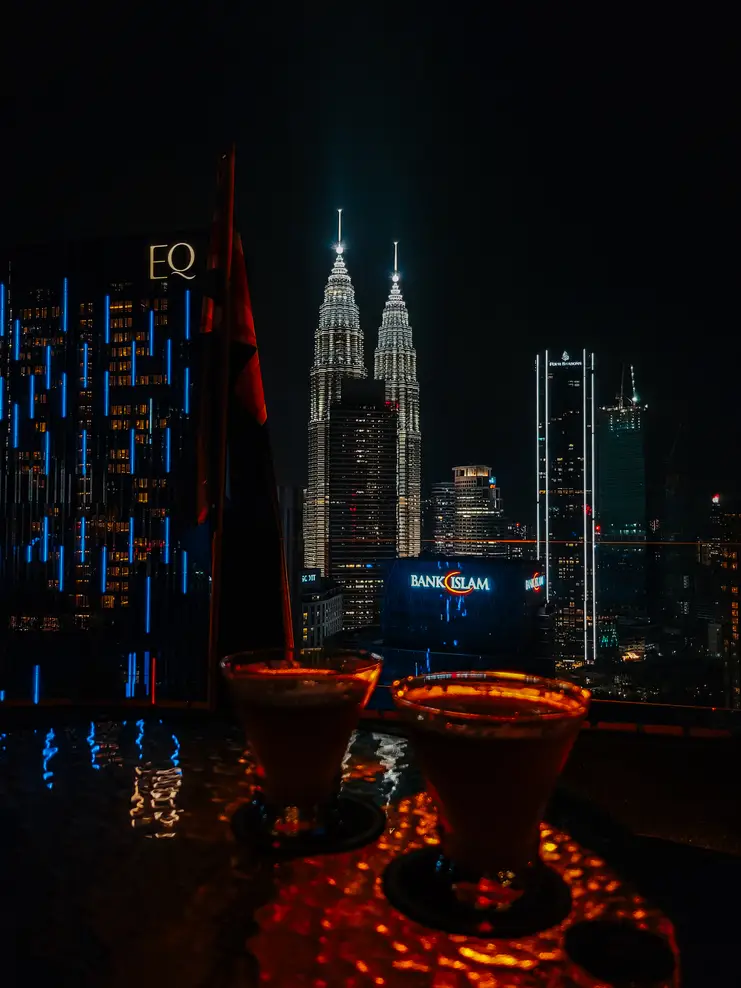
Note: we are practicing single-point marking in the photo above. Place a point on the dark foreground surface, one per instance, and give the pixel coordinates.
(118, 865)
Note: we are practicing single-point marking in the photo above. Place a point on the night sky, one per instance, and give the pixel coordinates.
(565, 180)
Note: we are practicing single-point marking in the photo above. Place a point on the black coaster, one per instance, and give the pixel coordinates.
(353, 822)
(620, 954)
(415, 886)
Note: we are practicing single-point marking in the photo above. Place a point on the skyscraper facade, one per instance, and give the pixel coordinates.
(338, 354)
(98, 373)
(479, 524)
(361, 470)
(396, 365)
(565, 498)
(442, 510)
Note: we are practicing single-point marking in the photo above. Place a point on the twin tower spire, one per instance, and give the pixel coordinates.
(338, 354)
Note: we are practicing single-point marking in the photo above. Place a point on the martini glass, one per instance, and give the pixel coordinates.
(491, 746)
(298, 709)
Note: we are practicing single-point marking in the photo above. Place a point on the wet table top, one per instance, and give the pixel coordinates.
(119, 867)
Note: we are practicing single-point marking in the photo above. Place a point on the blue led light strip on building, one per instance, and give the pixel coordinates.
(64, 306)
(167, 449)
(64, 394)
(186, 392)
(2, 308)
(148, 605)
(82, 539)
(147, 664)
(31, 395)
(167, 538)
(48, 366)
(130, 676)
(103, 569)
(45, 543)
(47, 452)
(131, 539)
(15, 425)
(187, 313)
(60, 577)
(106, 385)
(17, 340)
(84, 452)
(168, 356)
(151, 333)
(107, 317)
(84, 365)
(29, 552)
(36, 683)
(133, 363)
(184, 567)
(132, 451)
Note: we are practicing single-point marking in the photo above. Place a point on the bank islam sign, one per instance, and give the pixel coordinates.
(454, 582)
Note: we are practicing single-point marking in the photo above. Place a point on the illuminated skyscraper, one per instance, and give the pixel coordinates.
(442, 509)
(97, 380)
(396, 364)
(565, 496)
(479, 523)
(338, 353)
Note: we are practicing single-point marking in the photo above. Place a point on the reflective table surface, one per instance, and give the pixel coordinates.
(119, 867)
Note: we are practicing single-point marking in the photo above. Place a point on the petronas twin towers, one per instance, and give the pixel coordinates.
(338, 354)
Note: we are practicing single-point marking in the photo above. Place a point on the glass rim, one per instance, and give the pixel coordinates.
(363, 661)
(400, 686)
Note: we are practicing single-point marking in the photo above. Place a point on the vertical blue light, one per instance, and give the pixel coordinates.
(31, 395)
(60, 577)
(15, 425)
(94, 748)
(84, 452)
(133, 363)
(17, 340)
(84, 365)
(184, 567)
(29, 551)
(139, 740)
(45, 543)
(64, 306)
(187, 313)
(130, 676)
(148, 605)
(2, 308)
(103, 569)
(36, 683)
(167, 449)
(151, 333)
(107, 318)
(2, 397)
(132, 451)
(64, 394)
(167, 538)
(106, 395)
(131, 539)
(147, 663)
(82, 539)
(186, 392)
(47, 452)
(168, 358)
(47, 754)
(2, 692)
(48, 366)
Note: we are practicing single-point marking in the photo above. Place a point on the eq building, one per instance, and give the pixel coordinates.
(104, 591)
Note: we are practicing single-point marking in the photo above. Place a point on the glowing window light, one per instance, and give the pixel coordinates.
(187, 313)
(36, 683)
(184, 567)
(82, 539)
(64, 305)
(47, 451)
(148, 606)
(167, 539)
(45, 543)
(15, 425)
(151, 415)
(84, 452)
(131, 539)
(151, 333)
(17, 340)
(132, 451)
(31, 395)
(133, 363)
(60, 577)
(167, 449)
(64, 395)
(106, 394)
(186, 392)
(107, 318)
(48, 366)
(84, 365)
(103, 569)
(2, 308)
(168, 357)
